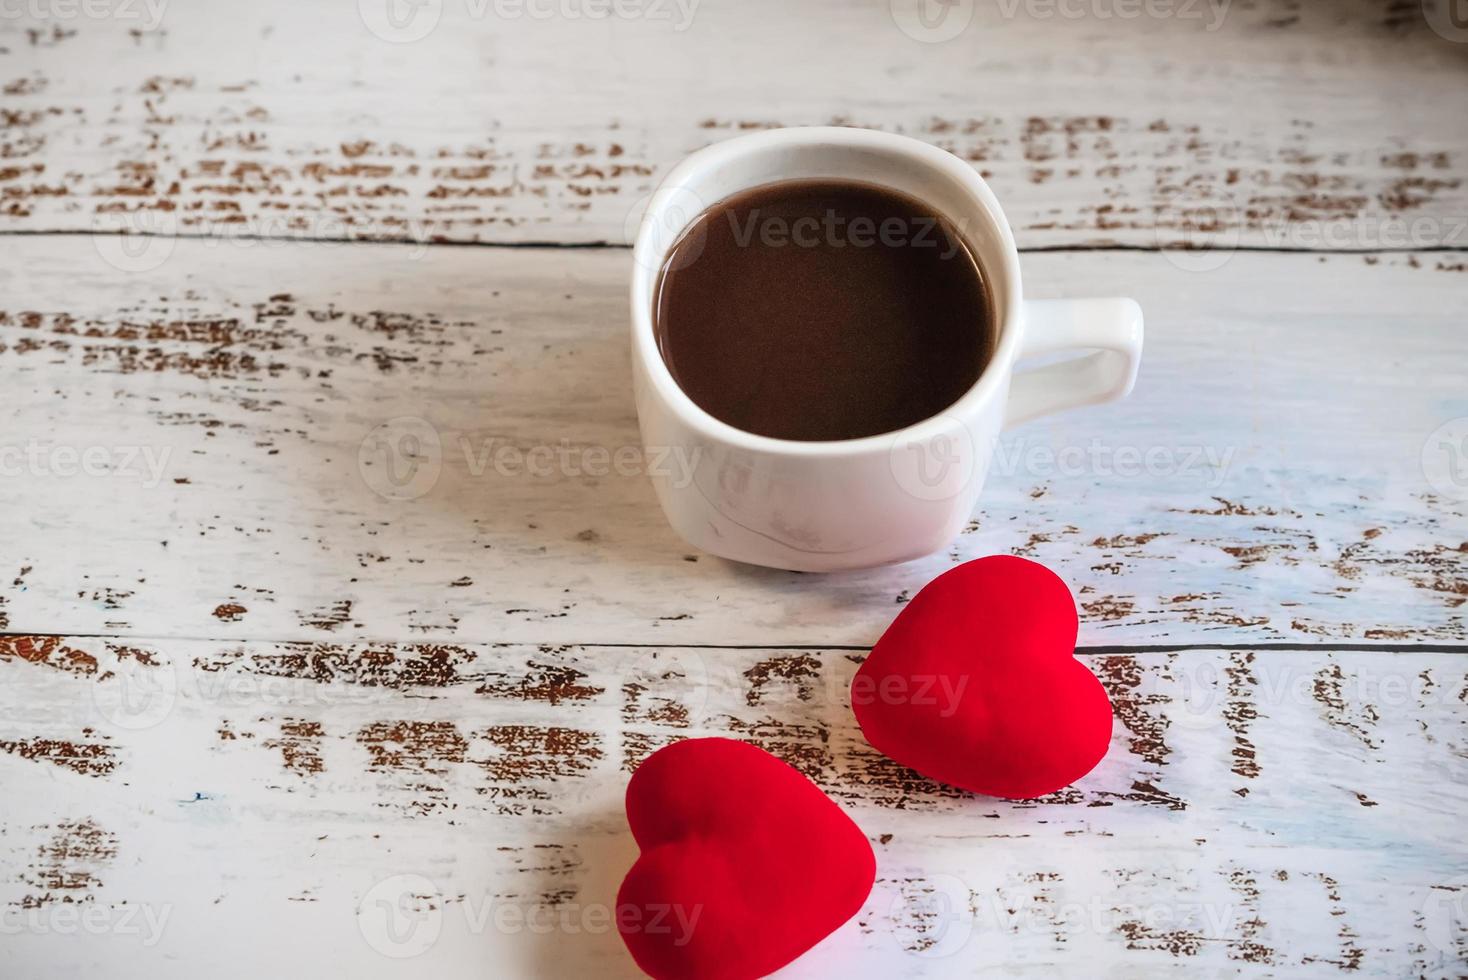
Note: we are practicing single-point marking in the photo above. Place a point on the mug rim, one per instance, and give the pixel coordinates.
(649, 258)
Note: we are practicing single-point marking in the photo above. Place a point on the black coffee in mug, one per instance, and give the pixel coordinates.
(821, 310)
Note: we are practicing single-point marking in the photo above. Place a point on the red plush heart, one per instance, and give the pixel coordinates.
(745, 863)
(976, 684)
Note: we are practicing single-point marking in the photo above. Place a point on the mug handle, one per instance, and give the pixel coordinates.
(1110, 327)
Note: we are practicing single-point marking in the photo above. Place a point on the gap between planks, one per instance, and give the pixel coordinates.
(603, 243)
(1091, 650)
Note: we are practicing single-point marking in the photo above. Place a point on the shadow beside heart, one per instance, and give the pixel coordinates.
(584, 940)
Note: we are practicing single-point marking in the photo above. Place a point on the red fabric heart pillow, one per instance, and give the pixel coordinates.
(976, 684)
(745, 863)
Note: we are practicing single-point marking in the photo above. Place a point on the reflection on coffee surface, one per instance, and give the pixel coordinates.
(822, 309)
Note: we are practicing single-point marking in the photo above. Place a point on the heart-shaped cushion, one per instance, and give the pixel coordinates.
(976, 684)
(745, 863)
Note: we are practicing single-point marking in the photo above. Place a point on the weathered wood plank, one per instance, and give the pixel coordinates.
(1276, 123)
(1261, 814)
(231, 445)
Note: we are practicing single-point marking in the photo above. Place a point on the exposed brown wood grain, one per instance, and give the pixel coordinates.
(88, 753)
(1106, 130)
(791, 703)
(67, 865)
(1246, 795)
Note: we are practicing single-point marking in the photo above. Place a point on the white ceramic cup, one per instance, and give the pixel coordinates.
(855, 503)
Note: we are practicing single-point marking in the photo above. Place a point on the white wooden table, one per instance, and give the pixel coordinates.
(331, 624)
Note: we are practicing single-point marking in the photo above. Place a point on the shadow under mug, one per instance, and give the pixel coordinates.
(857, 503)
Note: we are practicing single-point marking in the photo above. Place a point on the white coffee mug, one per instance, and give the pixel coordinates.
(855, 503)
